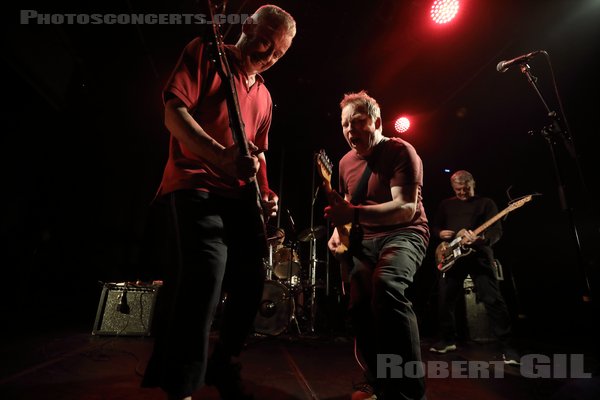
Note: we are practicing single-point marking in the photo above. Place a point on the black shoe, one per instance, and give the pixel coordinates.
(511, 356)
(225, 375)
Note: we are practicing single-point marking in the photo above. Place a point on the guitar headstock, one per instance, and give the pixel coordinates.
(518, 203)
(324, 166)
(216, 7)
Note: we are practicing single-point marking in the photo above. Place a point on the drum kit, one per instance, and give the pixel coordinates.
(286, 282)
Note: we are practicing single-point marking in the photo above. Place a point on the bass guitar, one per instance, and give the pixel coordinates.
(447, 253)
(251, 192)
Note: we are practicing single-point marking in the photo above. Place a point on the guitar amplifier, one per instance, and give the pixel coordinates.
(478, 323)
(125, 309)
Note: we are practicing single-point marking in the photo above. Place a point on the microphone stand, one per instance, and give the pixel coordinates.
(550, 133)
(313, 252)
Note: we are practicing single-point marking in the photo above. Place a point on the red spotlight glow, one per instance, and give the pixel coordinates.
(444, 11)
(402, 124)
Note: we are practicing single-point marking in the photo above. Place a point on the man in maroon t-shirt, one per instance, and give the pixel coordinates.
(389, 212)
(212, 222)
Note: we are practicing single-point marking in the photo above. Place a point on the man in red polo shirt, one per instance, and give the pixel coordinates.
(212, 223)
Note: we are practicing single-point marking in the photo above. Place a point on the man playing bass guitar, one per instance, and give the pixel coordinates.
(214, 224)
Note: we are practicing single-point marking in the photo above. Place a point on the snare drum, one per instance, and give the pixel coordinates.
(286, 264)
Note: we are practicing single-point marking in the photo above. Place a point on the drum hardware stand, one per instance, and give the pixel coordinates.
(293, 250)
(269, 273)
(293, 316)
(313, 282)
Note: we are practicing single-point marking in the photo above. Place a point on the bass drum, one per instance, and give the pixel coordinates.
(275, 309)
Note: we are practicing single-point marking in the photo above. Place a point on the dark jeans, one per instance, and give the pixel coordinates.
(212, 249)
(381, 315)
(479, 266)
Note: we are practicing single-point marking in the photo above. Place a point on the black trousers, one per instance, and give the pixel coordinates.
(213, 250)
(382, 316)
(479, 266)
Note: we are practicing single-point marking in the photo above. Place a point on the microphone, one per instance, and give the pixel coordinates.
(504, 65)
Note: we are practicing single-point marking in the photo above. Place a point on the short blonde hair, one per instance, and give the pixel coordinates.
(462, 176)
(277, 16)
(364, 101)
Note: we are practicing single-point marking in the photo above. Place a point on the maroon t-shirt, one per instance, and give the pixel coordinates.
(196, 82)
(394, 162)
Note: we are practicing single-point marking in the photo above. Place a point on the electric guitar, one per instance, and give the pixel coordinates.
(325, 168)
(447, 253)
(251, 192)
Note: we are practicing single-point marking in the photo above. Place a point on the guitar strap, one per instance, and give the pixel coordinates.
(359, 195)
(360, 191)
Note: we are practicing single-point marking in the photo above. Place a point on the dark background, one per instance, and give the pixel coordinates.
(84, 145)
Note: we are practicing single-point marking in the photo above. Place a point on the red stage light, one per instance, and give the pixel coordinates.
(402, 124)
(443, 11)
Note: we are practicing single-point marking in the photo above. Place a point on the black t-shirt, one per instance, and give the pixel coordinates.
(455, 214)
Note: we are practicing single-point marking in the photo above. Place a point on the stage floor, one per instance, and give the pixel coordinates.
(73, 364)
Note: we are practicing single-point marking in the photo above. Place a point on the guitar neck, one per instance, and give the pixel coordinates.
(236, 124)
(225, 72)
(492, 220)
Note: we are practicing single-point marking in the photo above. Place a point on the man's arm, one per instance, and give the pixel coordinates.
(184, 127)
(401, 209)
(269, 197)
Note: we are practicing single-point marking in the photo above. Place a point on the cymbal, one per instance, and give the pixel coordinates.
(315, 233)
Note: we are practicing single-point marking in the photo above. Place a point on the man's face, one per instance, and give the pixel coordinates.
(359, 129)
(463, 190)
(263, 46)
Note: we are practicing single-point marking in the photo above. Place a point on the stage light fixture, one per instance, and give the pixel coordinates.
(402, 124)
(444, 11)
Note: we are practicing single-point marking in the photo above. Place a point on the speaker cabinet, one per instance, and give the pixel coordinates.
(478, 323)
(125, 310)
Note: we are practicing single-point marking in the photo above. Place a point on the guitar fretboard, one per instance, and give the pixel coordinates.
(501, 214)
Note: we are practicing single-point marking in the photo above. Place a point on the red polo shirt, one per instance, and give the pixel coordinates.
(196, 82)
